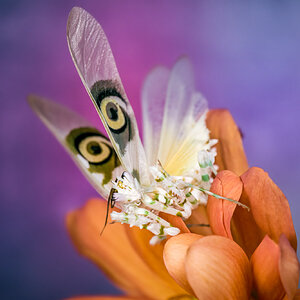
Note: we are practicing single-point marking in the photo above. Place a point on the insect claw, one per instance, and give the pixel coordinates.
(110, 203)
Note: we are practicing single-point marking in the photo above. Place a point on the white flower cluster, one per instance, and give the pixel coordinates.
(174, 195)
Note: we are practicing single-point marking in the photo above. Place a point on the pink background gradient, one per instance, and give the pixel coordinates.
(246, 58)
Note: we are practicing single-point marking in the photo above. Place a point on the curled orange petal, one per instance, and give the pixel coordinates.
(288, 267)
(114, 253)
(218, 268)
(265, 269)
(219, 211)
(230, 150)
(174, 257)
(270, 212)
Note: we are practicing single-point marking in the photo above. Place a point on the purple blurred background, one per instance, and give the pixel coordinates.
(246, 58)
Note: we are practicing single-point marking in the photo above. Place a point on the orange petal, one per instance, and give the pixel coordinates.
(114, 253)
(198, 217)
(183, 297)
(230, 150)
(219, 211)
(297, 295)
(270, 212)
(152, 255)
(288, 267)
(217, 268)
(265, 269)
(174, 257)
(102, 298)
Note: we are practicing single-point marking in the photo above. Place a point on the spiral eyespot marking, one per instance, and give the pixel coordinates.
(115, 111)
(113, 114)
(94, 149)
(91, 145)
